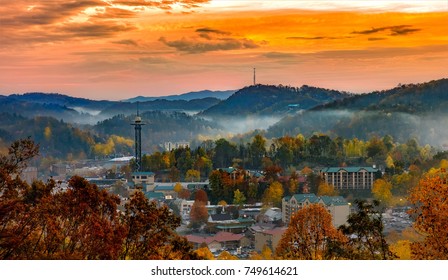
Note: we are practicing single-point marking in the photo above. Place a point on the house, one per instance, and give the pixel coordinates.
(144, 179)
(267, 236)
(184, 206)
(167, 190)
(337, 206)
(155, 196)
(272, 215)
(104, 183)
(250, 212)
(219, 241)
(225, 222)
(349, 178)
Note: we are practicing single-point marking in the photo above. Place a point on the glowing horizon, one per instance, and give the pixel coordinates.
(122, 48)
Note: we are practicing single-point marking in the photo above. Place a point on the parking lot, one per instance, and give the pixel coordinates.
(396, 219)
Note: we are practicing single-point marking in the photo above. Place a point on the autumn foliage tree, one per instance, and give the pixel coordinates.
(239, 198)
(43, 222)
(273, 195)
(381, 191)
(310, 235)
(430, 210)
(205, 253)
(198, 214)
(150, 232)
(365, 228)
(326, 189)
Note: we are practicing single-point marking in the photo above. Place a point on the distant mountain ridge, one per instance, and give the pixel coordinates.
(193, 105)
(61, 99)
(82, 110)
(218, 94)
(404, 112)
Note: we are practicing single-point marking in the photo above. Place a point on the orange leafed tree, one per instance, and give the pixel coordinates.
(430, 210)
(198, 214)
(310, 235)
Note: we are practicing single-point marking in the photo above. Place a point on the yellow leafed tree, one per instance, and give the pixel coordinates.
(382, 191)
(204, 253)
(326, 189)
(227, 256)
(273, 195)
(430, 210)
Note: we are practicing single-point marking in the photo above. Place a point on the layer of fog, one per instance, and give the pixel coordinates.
(83, 110)
(429, 128)
(240, 125)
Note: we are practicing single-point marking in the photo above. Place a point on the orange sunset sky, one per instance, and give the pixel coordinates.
(118, 49)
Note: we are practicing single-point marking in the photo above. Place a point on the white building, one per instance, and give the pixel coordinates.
(171, 146)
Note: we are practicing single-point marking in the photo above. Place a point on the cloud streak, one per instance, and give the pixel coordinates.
(161, 4)
(318, 38)
(196, 46)
(54, 20)
(393, 30)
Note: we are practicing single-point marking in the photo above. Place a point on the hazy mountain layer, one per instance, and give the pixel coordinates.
(221, 95)
(191, 106)
(404, 112)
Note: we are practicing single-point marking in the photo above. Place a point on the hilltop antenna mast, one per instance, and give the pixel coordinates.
(254, 77)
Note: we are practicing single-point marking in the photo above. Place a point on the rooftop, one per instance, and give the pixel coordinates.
(349, 169)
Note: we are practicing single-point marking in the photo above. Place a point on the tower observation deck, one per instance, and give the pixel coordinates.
(138, 141)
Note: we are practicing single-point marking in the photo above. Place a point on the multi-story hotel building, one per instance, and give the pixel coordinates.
(337, 206)
(345, 178)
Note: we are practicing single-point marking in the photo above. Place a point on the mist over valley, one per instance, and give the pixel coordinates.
(407, 111)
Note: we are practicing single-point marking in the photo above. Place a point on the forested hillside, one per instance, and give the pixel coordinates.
(417, 111)
(55, 137)
(269, 100)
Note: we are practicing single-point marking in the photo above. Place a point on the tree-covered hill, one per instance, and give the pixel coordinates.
(62, 100)
(159, 127)
(33, 109)
(128, 108)
(86, 111)
(413, 98)
(407, 111)
(272, 100)
(55, 137)
(219, 94)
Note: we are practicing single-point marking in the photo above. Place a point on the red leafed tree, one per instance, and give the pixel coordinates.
(198, 214)
(201, 195)
(150, 232)
(82, 222)
(17, 219)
